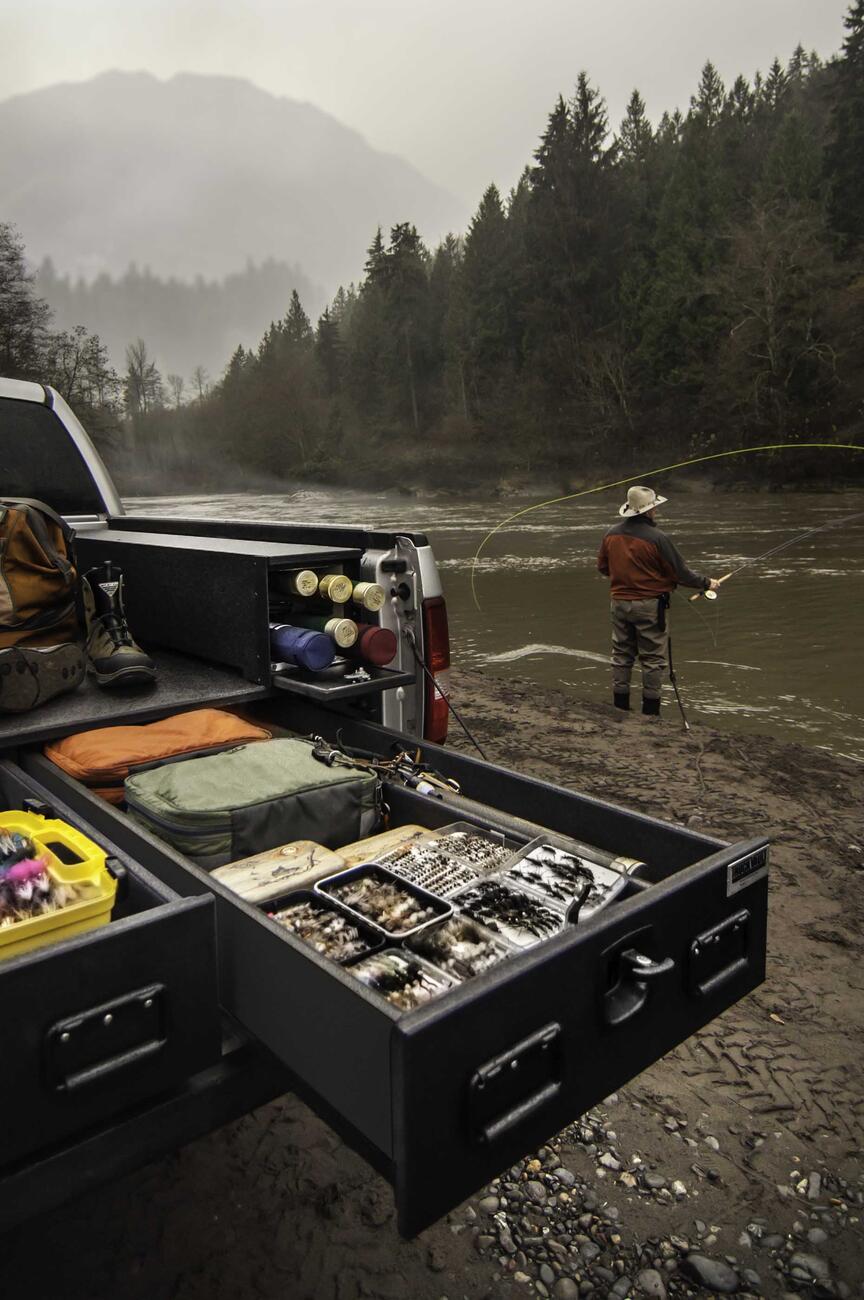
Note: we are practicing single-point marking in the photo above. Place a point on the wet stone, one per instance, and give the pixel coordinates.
(564, 1176)
(773, 1241)
(566, 1289)
(546, 1274)
(651, 1283)
(817, 1236)
(713, 1274)
(752, 1278)
(811, 1265)
(489, 1204)
(536, 1192)
(655, 1181)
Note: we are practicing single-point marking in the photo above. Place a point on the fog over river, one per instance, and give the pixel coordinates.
(780, 652)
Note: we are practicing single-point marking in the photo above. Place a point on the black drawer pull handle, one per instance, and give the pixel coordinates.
(639, 967)
(516, 1116)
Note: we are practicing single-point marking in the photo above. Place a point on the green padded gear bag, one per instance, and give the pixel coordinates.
(255, 797)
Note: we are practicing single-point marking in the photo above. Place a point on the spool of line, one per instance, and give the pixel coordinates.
(301, 646)
(301, 583)
(344, 631)
(336, 587)
(375, 645)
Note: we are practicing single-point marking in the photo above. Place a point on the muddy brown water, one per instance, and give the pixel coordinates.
(779, 653)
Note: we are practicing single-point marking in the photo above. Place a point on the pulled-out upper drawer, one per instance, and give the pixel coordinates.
(446, 1095)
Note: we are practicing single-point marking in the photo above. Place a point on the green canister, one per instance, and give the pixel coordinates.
(336, 587)
(369, 595)
(344, 631)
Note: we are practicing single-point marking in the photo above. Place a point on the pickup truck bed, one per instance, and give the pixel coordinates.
(439, 1098)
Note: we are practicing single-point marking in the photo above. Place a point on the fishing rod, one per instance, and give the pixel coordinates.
(636, 478)
(775, 550)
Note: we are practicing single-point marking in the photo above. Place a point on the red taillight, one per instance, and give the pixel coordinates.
(436, 652)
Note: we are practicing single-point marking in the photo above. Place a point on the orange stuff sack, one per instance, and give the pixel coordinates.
(103, 759)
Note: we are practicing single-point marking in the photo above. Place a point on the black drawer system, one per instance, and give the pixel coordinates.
(99, 1023)
(207, 597)
(443, 1097)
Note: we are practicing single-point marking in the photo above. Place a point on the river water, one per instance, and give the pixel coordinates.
(780, 652)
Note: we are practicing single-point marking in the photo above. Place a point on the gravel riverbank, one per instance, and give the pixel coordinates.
(733, 1166)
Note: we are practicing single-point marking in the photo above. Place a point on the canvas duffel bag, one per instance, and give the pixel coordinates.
(104, 758)
(236, 804)
(38, 579)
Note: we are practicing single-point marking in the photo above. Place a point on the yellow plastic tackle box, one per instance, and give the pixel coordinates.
(72, 859)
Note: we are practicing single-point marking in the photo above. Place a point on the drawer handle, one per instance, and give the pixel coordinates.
(513, 1086)
(88, 1048)
(491, 1132)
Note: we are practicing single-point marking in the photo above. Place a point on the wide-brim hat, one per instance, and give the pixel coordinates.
(640, 499)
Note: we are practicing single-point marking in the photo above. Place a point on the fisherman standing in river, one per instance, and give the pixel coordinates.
(644, 567)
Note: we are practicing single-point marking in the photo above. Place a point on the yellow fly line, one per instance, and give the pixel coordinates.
(636, 478)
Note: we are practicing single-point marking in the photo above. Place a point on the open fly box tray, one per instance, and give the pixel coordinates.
(384, 900)
(321, 923)
(452, 857)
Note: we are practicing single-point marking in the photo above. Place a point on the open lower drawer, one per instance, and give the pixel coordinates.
(97, 1023)
(442, 1097)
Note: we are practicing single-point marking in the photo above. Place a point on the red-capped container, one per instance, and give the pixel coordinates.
(375, 645)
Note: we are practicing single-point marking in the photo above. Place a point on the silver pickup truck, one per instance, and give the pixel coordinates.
(193, 1006)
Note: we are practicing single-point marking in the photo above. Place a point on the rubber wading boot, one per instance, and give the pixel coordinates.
(651, 707)
(30, 675)
(114, 658)
(622, 699)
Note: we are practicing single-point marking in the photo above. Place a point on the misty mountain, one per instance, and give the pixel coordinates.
(185, 325)
(197, 175)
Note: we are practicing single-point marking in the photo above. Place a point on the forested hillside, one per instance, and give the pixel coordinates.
(190, 324)
(643, 293)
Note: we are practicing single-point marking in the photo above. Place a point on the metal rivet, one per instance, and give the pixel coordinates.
(148, 1004)
(107, 1019)
(64, 1038)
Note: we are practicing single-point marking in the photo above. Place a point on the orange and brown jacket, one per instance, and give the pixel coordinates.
(642, 561)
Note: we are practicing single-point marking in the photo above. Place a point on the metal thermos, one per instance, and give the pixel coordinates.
(336, 587)
(302, 646)
(369, 595)
(375, 645)
(344, 631)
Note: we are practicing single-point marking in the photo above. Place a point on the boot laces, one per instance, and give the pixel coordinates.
(116, 627)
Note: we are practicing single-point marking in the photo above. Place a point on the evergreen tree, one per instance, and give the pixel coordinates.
(23, 316)
(845, 172)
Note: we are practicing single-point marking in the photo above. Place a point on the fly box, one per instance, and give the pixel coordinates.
(515, 915)
(401, 978)
(72, 892)
(451, 858)
(460, 947)
(377, 896)
(568, 880)
(324, 926)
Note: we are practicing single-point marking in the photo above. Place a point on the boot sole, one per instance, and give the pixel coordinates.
(137, 676)
(36, 675)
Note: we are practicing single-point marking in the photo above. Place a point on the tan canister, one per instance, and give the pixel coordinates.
(369, 595)
(336, 587)
(344, 631)
(303, 583)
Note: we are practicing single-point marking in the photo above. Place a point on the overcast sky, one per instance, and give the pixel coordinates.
(460, 88)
